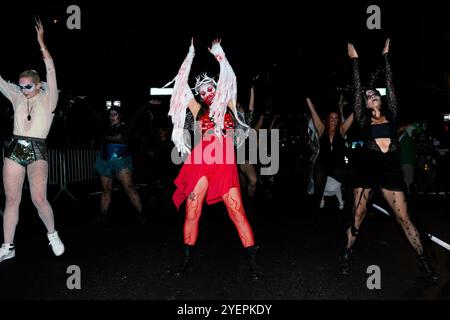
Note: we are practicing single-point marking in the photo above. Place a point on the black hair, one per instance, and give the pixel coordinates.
(384, 111)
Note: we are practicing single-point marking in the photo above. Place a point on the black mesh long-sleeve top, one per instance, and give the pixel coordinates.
(363, 115)
(115, 142)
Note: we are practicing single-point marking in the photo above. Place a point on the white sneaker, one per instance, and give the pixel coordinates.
(341, 205)
(322, 204)
(56, 243)
(7, 251)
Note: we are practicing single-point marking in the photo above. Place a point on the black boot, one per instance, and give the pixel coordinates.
(426, 269)
(187, 260)
(255, 273)
(141, 216)
(345, 261)
(100, 218)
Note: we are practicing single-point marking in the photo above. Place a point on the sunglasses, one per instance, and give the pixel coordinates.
(26, 87)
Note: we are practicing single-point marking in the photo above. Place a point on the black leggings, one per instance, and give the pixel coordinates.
(321, 172)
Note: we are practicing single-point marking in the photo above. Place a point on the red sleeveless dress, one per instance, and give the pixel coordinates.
(214, 158)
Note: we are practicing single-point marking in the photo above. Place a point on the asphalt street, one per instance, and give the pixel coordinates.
(299, 250)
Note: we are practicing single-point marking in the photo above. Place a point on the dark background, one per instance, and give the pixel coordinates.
(124, 48)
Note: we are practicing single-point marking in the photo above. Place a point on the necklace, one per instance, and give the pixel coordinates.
(29, 111)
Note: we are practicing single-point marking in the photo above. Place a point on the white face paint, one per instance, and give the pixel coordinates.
(28, 88)
(114, 117)
(373, 99)
(207, 92)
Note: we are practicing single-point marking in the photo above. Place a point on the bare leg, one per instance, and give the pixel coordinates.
(13, 177)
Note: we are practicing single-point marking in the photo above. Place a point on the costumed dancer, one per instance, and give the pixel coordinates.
(115, 160)
(381, 166)
(34, 103)
(212, 177)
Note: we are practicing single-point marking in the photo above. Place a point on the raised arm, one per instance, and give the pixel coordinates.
(8, 90)
(318, 123)
(226, 86)
(259, 123)
(40, 37)
(52, 98)
(347, 124)
(272, 124)
(391, 99)
(251, 104)
(226, 91)
(181, 99)
(357, 89)
(251, 107)
(341, 104)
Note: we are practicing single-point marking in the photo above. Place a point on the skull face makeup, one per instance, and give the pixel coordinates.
(114, 115)
(28, 88)
(373, 99)
(207, 92)
(370, 93)
(206, 88)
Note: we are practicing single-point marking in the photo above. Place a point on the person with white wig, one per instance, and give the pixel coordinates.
(210, 171)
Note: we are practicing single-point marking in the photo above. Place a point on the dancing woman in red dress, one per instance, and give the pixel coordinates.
(210, 171)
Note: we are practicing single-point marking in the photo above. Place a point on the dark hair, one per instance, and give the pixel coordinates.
(378, 93)
(328, 117)
(383, 103)
(203, 109)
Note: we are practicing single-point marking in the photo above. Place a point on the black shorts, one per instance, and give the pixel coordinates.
(25, 150)
(375, 169)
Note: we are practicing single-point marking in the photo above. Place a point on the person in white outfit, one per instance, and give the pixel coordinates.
(34, 103)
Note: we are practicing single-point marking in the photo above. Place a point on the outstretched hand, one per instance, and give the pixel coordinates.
(215, 41)
(386, 46)
(352, 51)
(39, 31)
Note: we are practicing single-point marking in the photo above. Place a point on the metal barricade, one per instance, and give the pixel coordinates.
(71, 166)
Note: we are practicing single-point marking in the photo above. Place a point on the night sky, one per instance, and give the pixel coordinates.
(123, 49)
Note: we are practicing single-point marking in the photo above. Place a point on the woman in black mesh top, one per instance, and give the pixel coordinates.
(115, 161)
(381, 166)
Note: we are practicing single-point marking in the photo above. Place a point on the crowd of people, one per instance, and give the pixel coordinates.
(208, 126)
